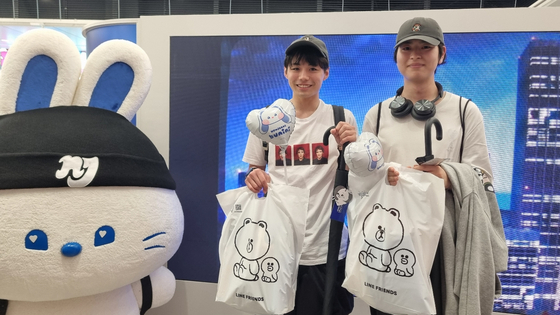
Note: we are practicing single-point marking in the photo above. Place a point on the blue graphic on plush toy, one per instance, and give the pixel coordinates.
(365, 156)
(89, 209)
(375, 153)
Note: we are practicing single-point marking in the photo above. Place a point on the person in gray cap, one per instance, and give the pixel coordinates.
(400, 120)
(306, 66)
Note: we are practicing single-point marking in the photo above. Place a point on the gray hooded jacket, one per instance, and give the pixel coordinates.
(473, 243)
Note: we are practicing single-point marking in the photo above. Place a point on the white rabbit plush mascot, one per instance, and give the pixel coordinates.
(88, 209)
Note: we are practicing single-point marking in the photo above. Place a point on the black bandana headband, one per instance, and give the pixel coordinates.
(76, 146)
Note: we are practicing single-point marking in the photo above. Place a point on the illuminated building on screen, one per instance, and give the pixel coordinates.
(533, 278)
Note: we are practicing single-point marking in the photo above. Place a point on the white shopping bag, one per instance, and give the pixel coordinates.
(394, 234)
(260, 248)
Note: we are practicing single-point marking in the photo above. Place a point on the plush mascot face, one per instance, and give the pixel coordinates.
(123, 233)
(87, 202)
(274, 123)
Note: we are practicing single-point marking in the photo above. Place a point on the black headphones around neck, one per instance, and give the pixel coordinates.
(421, 110)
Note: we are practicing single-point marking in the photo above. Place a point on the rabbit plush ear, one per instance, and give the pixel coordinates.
(117, 77)
(41, 69)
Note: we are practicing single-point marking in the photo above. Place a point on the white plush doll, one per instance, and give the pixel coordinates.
(88, 210)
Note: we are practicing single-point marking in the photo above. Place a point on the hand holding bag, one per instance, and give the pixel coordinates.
(260, 248)
(394, 234)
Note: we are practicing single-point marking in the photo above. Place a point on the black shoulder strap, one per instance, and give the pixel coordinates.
(147, 297)
(335, 226)
(3, 307)
(378, 118)
(338, 112)
(462, 114)
(339, 116)
(265, 148)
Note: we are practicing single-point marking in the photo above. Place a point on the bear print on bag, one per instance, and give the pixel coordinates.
(383, 231)
(252, 242)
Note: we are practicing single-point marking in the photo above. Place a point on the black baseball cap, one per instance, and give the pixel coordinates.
(421, 28)
(310, 41)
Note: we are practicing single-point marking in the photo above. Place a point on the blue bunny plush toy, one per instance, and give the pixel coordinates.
(89, 213)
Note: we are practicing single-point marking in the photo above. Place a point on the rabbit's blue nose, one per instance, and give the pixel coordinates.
(71, 249)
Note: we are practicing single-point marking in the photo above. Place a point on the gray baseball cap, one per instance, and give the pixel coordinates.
(421, 28)
(311, 41)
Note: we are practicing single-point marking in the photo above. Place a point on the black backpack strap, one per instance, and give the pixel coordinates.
(462, 114)
(265, 149)
(3, 307)
(338, 112)
(336, 227)
(378, 118)
(147, 296)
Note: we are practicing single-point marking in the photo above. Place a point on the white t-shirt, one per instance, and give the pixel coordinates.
(402, 138)
(316, 175)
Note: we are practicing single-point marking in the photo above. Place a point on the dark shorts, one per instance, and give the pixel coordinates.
(310, 291)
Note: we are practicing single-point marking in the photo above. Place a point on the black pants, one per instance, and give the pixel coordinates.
(436, 279)
(311, 291)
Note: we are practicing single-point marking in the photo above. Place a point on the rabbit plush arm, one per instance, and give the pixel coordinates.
(163, 287)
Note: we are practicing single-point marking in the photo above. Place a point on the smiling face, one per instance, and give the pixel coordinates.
(305, 80)
(417, 60)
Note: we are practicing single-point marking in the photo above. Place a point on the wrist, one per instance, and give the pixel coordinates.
(249, 171)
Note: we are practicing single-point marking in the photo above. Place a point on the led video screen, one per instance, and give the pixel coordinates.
(513, 78)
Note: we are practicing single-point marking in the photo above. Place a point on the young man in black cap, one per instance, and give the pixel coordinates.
(306, 66)
(419, 50)
(399, 121)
